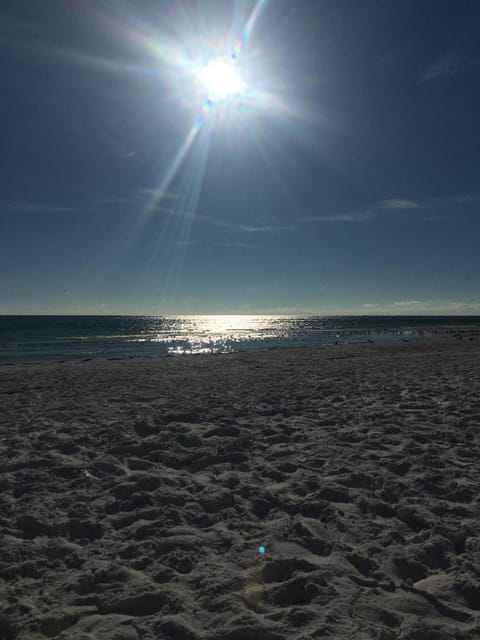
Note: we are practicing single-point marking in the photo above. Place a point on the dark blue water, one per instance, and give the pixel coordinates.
(47, 338)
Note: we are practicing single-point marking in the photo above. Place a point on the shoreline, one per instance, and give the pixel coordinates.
(466, 333)
(137, 492)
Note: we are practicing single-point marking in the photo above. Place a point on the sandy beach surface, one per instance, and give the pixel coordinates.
(135, 495)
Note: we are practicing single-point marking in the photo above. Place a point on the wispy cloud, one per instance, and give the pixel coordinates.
(452, 64)
(354, 216)
(462, 54)
(241, 228)
(137, 195)
(366, 213)
(396, 203)
(472, 305)
(235, 227)
(434, 218)
(469, 199)
(148, 193)
(37, 207)
(114, 200)
(408, 303)
(418, 307)
(239, 245)
(11, 24)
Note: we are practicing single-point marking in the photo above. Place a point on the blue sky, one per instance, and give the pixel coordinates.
(342, 178)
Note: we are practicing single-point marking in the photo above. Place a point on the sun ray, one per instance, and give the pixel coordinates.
(219, 76)
(225, 91)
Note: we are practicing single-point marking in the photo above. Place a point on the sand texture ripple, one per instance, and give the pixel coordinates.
(134, 496)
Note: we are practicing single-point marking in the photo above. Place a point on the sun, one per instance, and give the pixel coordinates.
(221, 80)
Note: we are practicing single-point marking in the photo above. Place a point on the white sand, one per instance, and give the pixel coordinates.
(135, 494)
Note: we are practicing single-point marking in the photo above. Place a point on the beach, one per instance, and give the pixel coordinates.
(136, 495)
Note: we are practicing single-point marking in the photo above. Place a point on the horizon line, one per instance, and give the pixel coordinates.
(285, 315)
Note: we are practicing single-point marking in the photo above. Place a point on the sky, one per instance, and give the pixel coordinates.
(337, 173)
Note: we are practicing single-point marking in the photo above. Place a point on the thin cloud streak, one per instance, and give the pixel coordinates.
(466, 199)
(355, 216)
(419, 307)
(115, 200)
(11, 24)
(167, 195)
(462, 54)
(242, 228)
(223, 224)
(36, 207)
(399, 204)
(185, 243)
(394, 205)
(137, 195)
(240, 245)
(451, 64)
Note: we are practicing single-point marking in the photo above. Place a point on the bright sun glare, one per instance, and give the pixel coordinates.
(221, 80)
(216, 76)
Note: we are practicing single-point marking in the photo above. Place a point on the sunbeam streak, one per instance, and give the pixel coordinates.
(221, 81)
(177, 161)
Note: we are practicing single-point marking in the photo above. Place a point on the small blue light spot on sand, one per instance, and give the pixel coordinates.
(261, 549)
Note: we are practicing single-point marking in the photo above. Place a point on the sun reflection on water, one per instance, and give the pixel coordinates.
(216, 333)
(194, 334)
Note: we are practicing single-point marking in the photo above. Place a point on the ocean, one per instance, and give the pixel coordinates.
(31, 339)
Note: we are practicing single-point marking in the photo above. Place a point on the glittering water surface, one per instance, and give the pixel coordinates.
(43, 338)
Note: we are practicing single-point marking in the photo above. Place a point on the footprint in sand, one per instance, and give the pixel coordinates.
(254, 591)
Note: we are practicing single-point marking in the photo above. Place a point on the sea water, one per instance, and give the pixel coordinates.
(30, 339)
